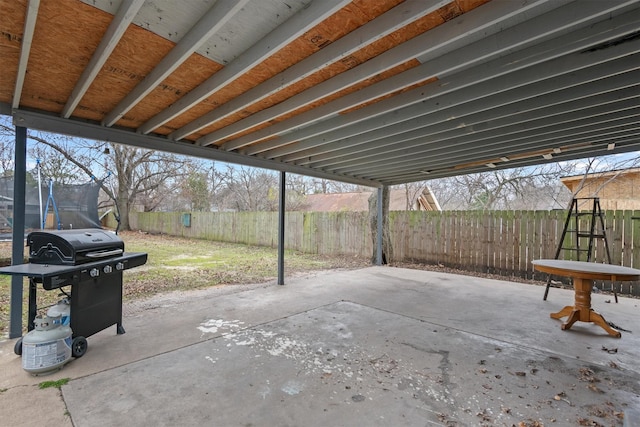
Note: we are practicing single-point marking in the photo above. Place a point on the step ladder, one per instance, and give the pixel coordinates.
(583, 236)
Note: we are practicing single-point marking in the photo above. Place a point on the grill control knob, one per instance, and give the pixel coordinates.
(107, 269)
(94, 272)
(120, 266)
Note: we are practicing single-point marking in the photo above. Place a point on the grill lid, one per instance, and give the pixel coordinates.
(72, 247)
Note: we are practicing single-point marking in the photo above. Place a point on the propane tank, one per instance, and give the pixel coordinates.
(46, 348)
(62, 309)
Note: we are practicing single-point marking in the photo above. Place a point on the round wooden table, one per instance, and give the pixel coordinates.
(583, 275)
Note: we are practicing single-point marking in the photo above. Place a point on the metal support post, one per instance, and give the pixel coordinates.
(379, 223)
(17, 253)
(281, 210)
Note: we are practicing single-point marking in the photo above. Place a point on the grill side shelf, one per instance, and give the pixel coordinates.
(56, 276)
(96, 290)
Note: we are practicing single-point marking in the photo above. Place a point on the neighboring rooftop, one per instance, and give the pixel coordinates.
(356, 202)
(617, 189)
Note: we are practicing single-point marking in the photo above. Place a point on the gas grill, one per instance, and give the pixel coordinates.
(73, 247)
(91, 262)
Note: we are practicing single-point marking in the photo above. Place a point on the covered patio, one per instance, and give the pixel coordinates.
(376, 346)
(370, 92)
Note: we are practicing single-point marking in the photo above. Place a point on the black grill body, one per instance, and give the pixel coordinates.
(73, 247)
(91, 262)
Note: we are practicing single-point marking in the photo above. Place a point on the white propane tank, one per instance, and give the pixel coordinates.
(62, 309)
(46, 348)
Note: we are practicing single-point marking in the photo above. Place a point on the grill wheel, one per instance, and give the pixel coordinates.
(79, 347)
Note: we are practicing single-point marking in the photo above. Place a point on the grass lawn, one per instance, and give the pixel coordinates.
(182, 264)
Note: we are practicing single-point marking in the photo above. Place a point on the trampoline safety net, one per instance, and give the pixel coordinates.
(77, 205)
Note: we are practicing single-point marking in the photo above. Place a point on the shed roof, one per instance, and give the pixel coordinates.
(370, 92)
(603, 174)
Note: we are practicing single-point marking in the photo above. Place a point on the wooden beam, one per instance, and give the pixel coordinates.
(221, 12)
(25, 49)
(491, 18)
(127, 11)
(281, 36)
(398, 110)
(341, 49)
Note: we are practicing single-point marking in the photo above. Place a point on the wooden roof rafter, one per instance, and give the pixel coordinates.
(209, 24)
(358, 39)
(258, 53)
(118, 26)
(436, 40)
(27, 39)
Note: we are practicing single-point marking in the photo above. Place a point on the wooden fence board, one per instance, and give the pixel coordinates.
(431, 238)
(548, 233)
(451, 239)
(617, 239)
(511, 256)
(569, 240)
(508, 244)
(634, 229)
(486, 247)
(531, 254)
(503, 236)
(441, 251)
(522, 237)
(457, 248)
(495, 242)
(500, 249)
(515, 243)
(626, 248)
(472, 240)
(476, 237)
(627, 237)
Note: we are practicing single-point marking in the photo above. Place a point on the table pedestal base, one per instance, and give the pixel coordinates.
(576, 315)
(581, 310)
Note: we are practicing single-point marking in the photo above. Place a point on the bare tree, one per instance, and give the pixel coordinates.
(297, 187)
(140, 176)
(7, 147)
(216, 178)
(326, 186)
(55, 167)
(412, 191)
(614, 168)
(518, 188)
(195, 189)
(387, 247)
(144, 176)
(249, 189)
(69, 163)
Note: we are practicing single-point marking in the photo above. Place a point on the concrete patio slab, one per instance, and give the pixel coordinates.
(377, 346)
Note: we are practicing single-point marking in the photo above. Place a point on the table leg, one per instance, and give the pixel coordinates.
(562, 313)
(573, 318)
(581, 310)
(582, 288)
(599, 320)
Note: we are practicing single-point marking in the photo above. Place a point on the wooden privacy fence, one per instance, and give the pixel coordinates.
(496, 242)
